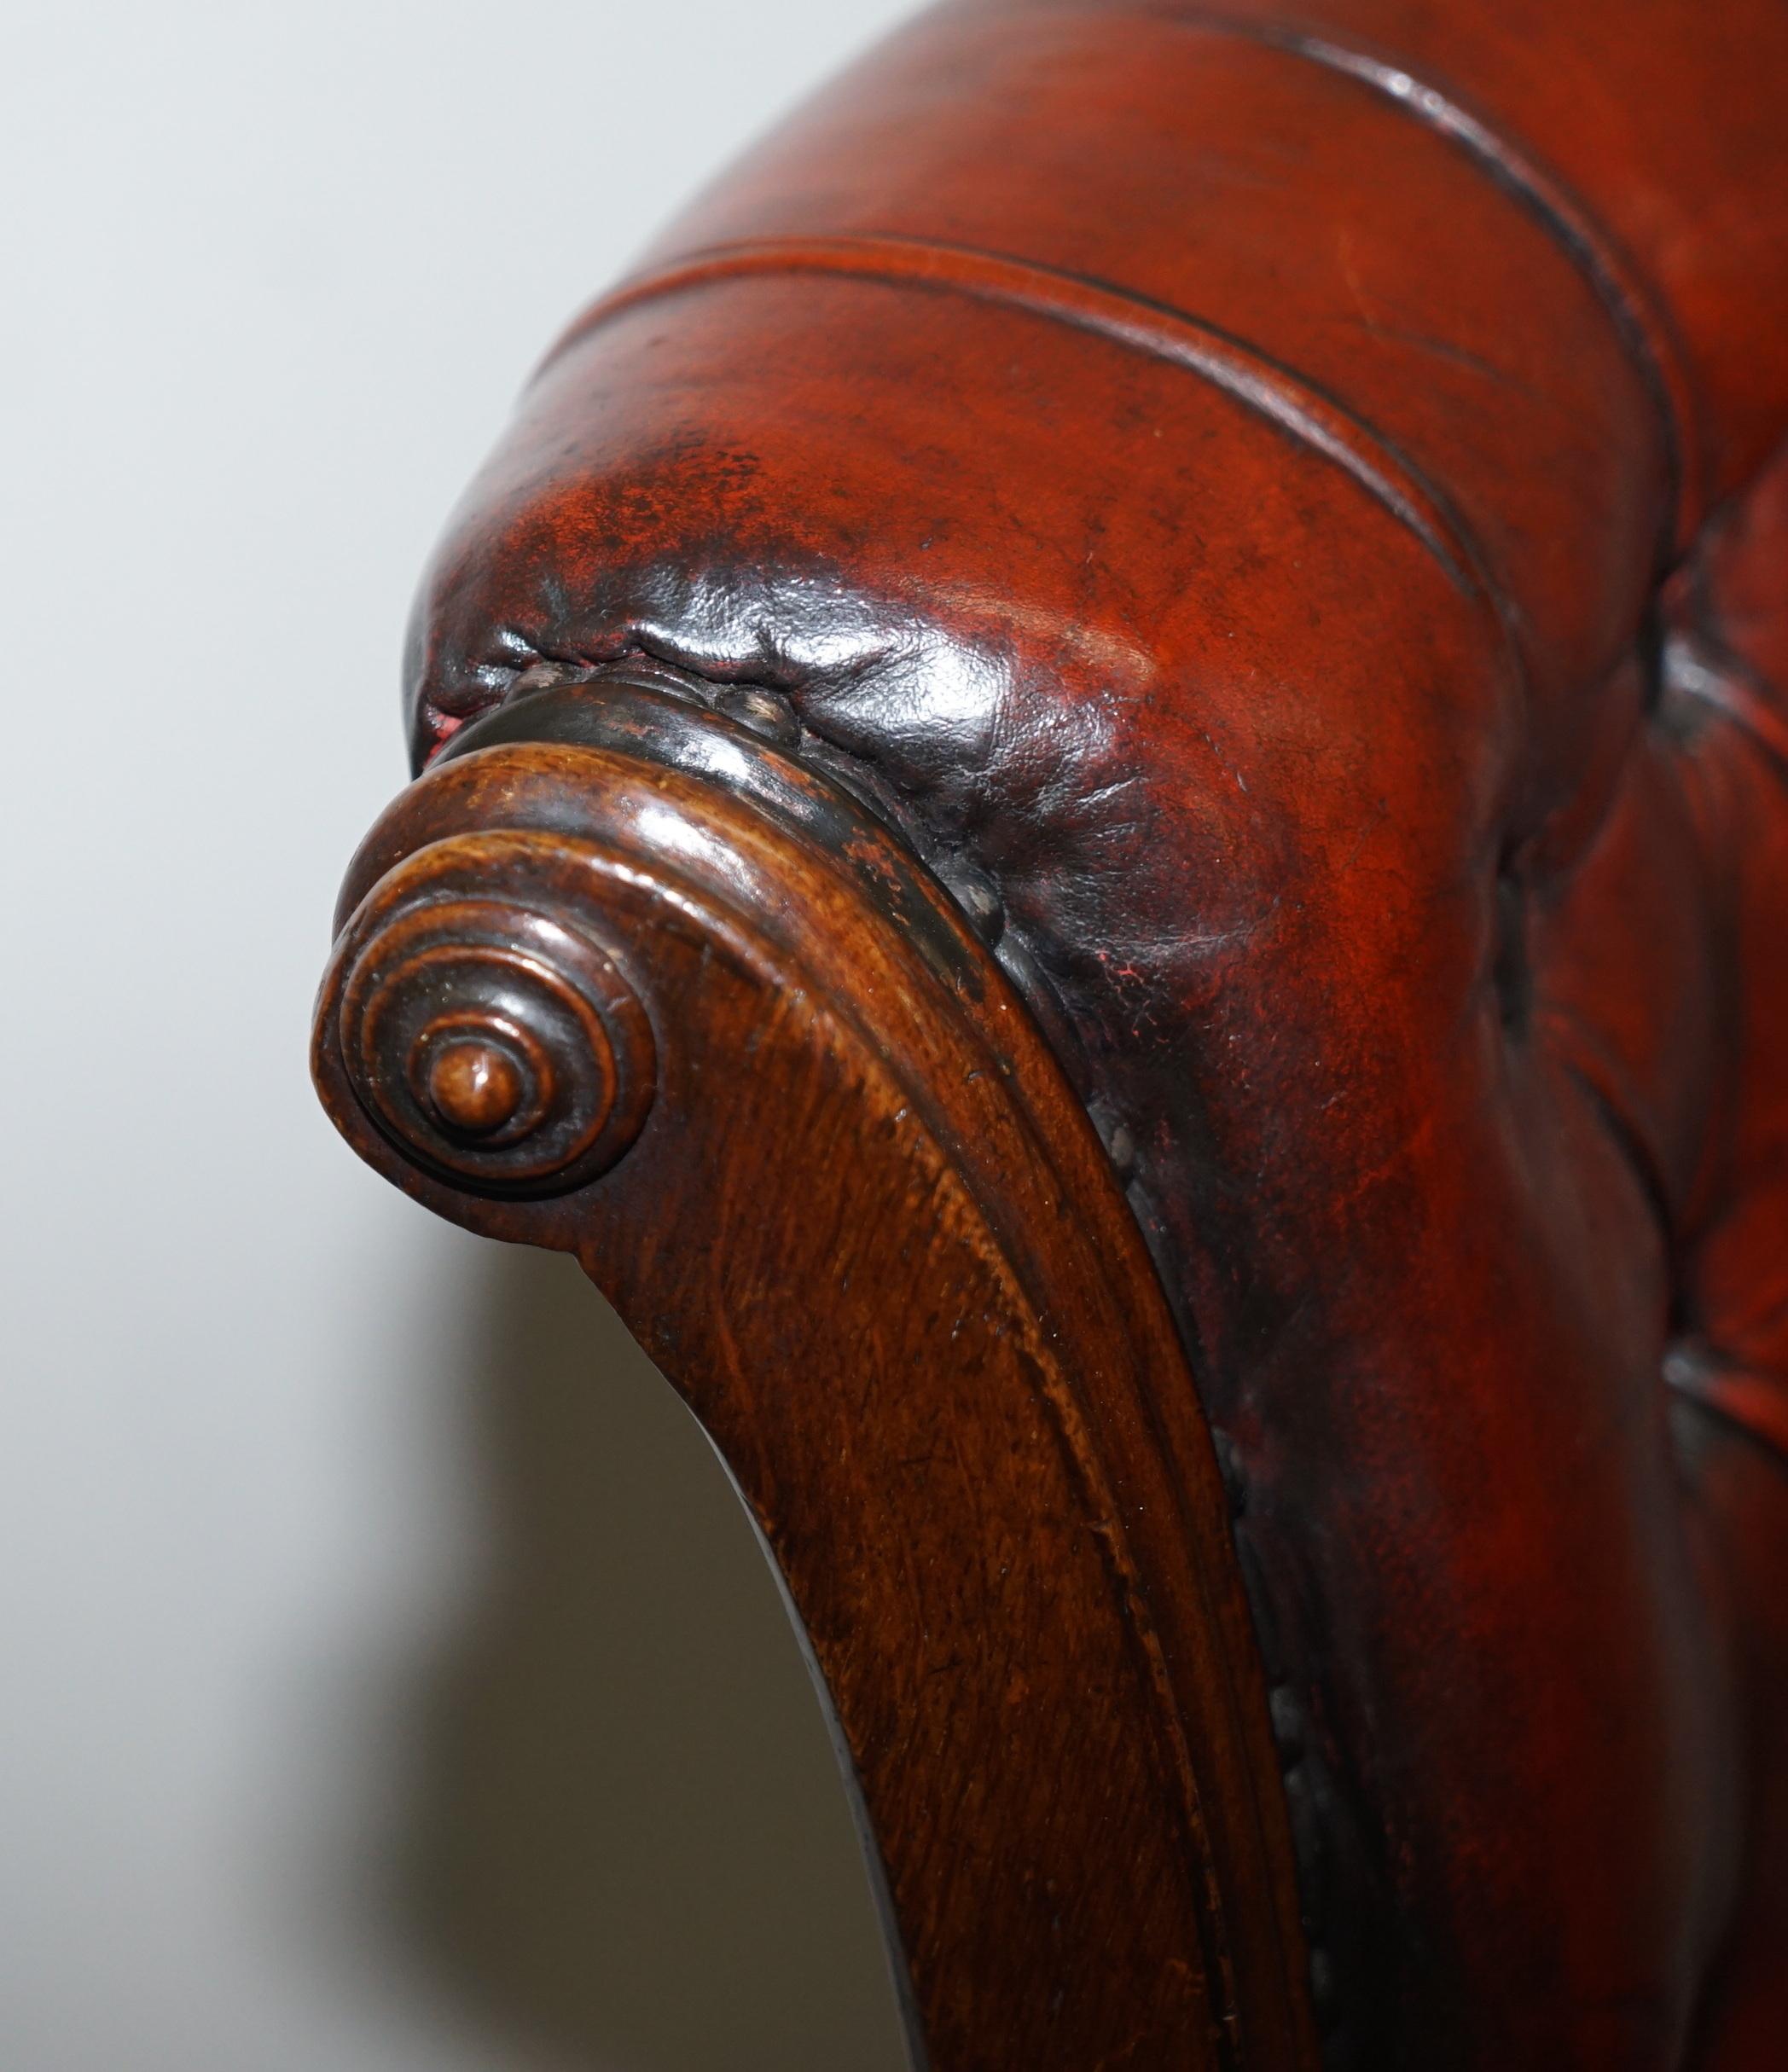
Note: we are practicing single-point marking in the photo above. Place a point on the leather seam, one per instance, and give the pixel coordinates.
(1262, 384)
(1635, 309)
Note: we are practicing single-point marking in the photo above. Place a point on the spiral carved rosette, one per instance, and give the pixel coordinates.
(490, 1035)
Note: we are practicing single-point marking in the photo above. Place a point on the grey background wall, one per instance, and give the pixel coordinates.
(390, 1680)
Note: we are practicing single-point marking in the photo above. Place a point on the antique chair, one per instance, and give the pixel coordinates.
(1103, 823)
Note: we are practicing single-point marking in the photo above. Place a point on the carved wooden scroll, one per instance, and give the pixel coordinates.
(624, 976)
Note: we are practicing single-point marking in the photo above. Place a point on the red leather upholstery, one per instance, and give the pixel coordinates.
(1289, 502)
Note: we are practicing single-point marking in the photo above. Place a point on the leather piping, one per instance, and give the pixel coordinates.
(1271, 390)
(1637, 312)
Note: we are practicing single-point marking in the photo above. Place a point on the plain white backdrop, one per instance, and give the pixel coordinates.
(389, 1683)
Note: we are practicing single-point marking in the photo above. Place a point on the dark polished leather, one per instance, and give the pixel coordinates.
(1291, 502)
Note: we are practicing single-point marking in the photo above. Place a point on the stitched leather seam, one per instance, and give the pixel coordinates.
(1597, 1074)
(1637, 312)
(1287, 399)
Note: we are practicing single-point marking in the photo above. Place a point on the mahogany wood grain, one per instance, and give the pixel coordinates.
(819, 1156)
